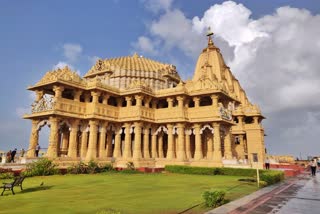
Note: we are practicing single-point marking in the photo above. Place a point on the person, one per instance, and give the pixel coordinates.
(267, 163)
(13, 154)
(9, 156)
(313, 166)
(22, 152)
(37, 150)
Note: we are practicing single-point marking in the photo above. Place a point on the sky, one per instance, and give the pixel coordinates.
(272, 47)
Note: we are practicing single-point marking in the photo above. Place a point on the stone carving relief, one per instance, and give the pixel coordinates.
(44, 104)
(225, 113)
(64, 74)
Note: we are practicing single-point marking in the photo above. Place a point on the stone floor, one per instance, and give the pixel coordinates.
(300, 195)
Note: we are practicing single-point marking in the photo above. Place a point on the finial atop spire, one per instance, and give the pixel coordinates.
(209, 34)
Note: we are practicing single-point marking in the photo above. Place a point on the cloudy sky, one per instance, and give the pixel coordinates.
(272, 47)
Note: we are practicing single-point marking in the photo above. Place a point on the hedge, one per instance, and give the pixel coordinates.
(269, 176)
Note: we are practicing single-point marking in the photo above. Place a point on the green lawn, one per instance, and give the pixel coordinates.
(128, 193)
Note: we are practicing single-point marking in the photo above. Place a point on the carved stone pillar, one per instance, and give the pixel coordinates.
(53, 139)
(92, 146)
(209, 147)
(72, 151)
(227, 146)
(127, 141)
(102, 140)
(87, 97)
(170, 102)
(117, 139)
(217, 156)
(256, 120)
(65, 141)
(34, 138)
(146, 153)
(137, 141)
(242, 146)
(84, 143)
(95, 96)
(129, 101)
(215, 99)
(196, 101)
(77, 94)
(105, 99)
(198, 150)
(240, 120)
(154, 104)
(154, 144)
(109, 144)
(170, 151)
(138, 100)
(39, 95)
(181, 153)
(58, 91)
(180, 101)
(160, 144)
(188, 149)
(119, 101)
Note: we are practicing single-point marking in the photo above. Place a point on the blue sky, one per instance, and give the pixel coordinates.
(38, 35)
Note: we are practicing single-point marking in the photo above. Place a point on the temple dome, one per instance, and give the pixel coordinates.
(122, 71)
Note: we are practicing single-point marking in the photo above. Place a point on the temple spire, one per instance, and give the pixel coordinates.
(209, 34)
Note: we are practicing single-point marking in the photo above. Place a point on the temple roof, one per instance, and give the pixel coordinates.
(128, 63)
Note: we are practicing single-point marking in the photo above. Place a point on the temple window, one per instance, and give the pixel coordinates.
(68, 94)
(248, 120)
(100, 99)
(112, 101)
(191, 104)
(134, 102)
(82, 98)
(236, 140)
(162, 103)
(235, 119)
(205, 101)
(175, 103)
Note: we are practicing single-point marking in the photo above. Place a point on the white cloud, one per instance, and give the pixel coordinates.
(156, 6)
(145, 45)
(72, 51)
(93, 59)
(62, 64)
(275, 57)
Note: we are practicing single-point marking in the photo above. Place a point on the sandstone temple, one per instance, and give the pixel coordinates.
(135, 109)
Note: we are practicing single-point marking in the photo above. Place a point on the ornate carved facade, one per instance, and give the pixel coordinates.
(137, 109)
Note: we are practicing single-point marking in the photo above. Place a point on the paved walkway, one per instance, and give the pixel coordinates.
(299, 195)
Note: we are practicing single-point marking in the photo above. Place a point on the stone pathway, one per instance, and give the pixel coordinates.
(300, 195)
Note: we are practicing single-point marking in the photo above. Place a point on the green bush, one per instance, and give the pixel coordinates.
(42, 167)
(90, 168)
(80, 168)
(269, 176)
(7, 175)
(214, 198)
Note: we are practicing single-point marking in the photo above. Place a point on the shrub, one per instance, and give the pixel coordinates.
(271, 176)
(214, 198)
(80, 168)
(6, 175)
(268, 176)
(93, 167)
(90, 168)
(42, 167)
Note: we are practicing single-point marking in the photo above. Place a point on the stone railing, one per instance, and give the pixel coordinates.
(225, 113)
(46, 103)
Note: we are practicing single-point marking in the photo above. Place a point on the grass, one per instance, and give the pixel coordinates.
(127, 193)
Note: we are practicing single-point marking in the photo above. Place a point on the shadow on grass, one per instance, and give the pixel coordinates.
(35, 189)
